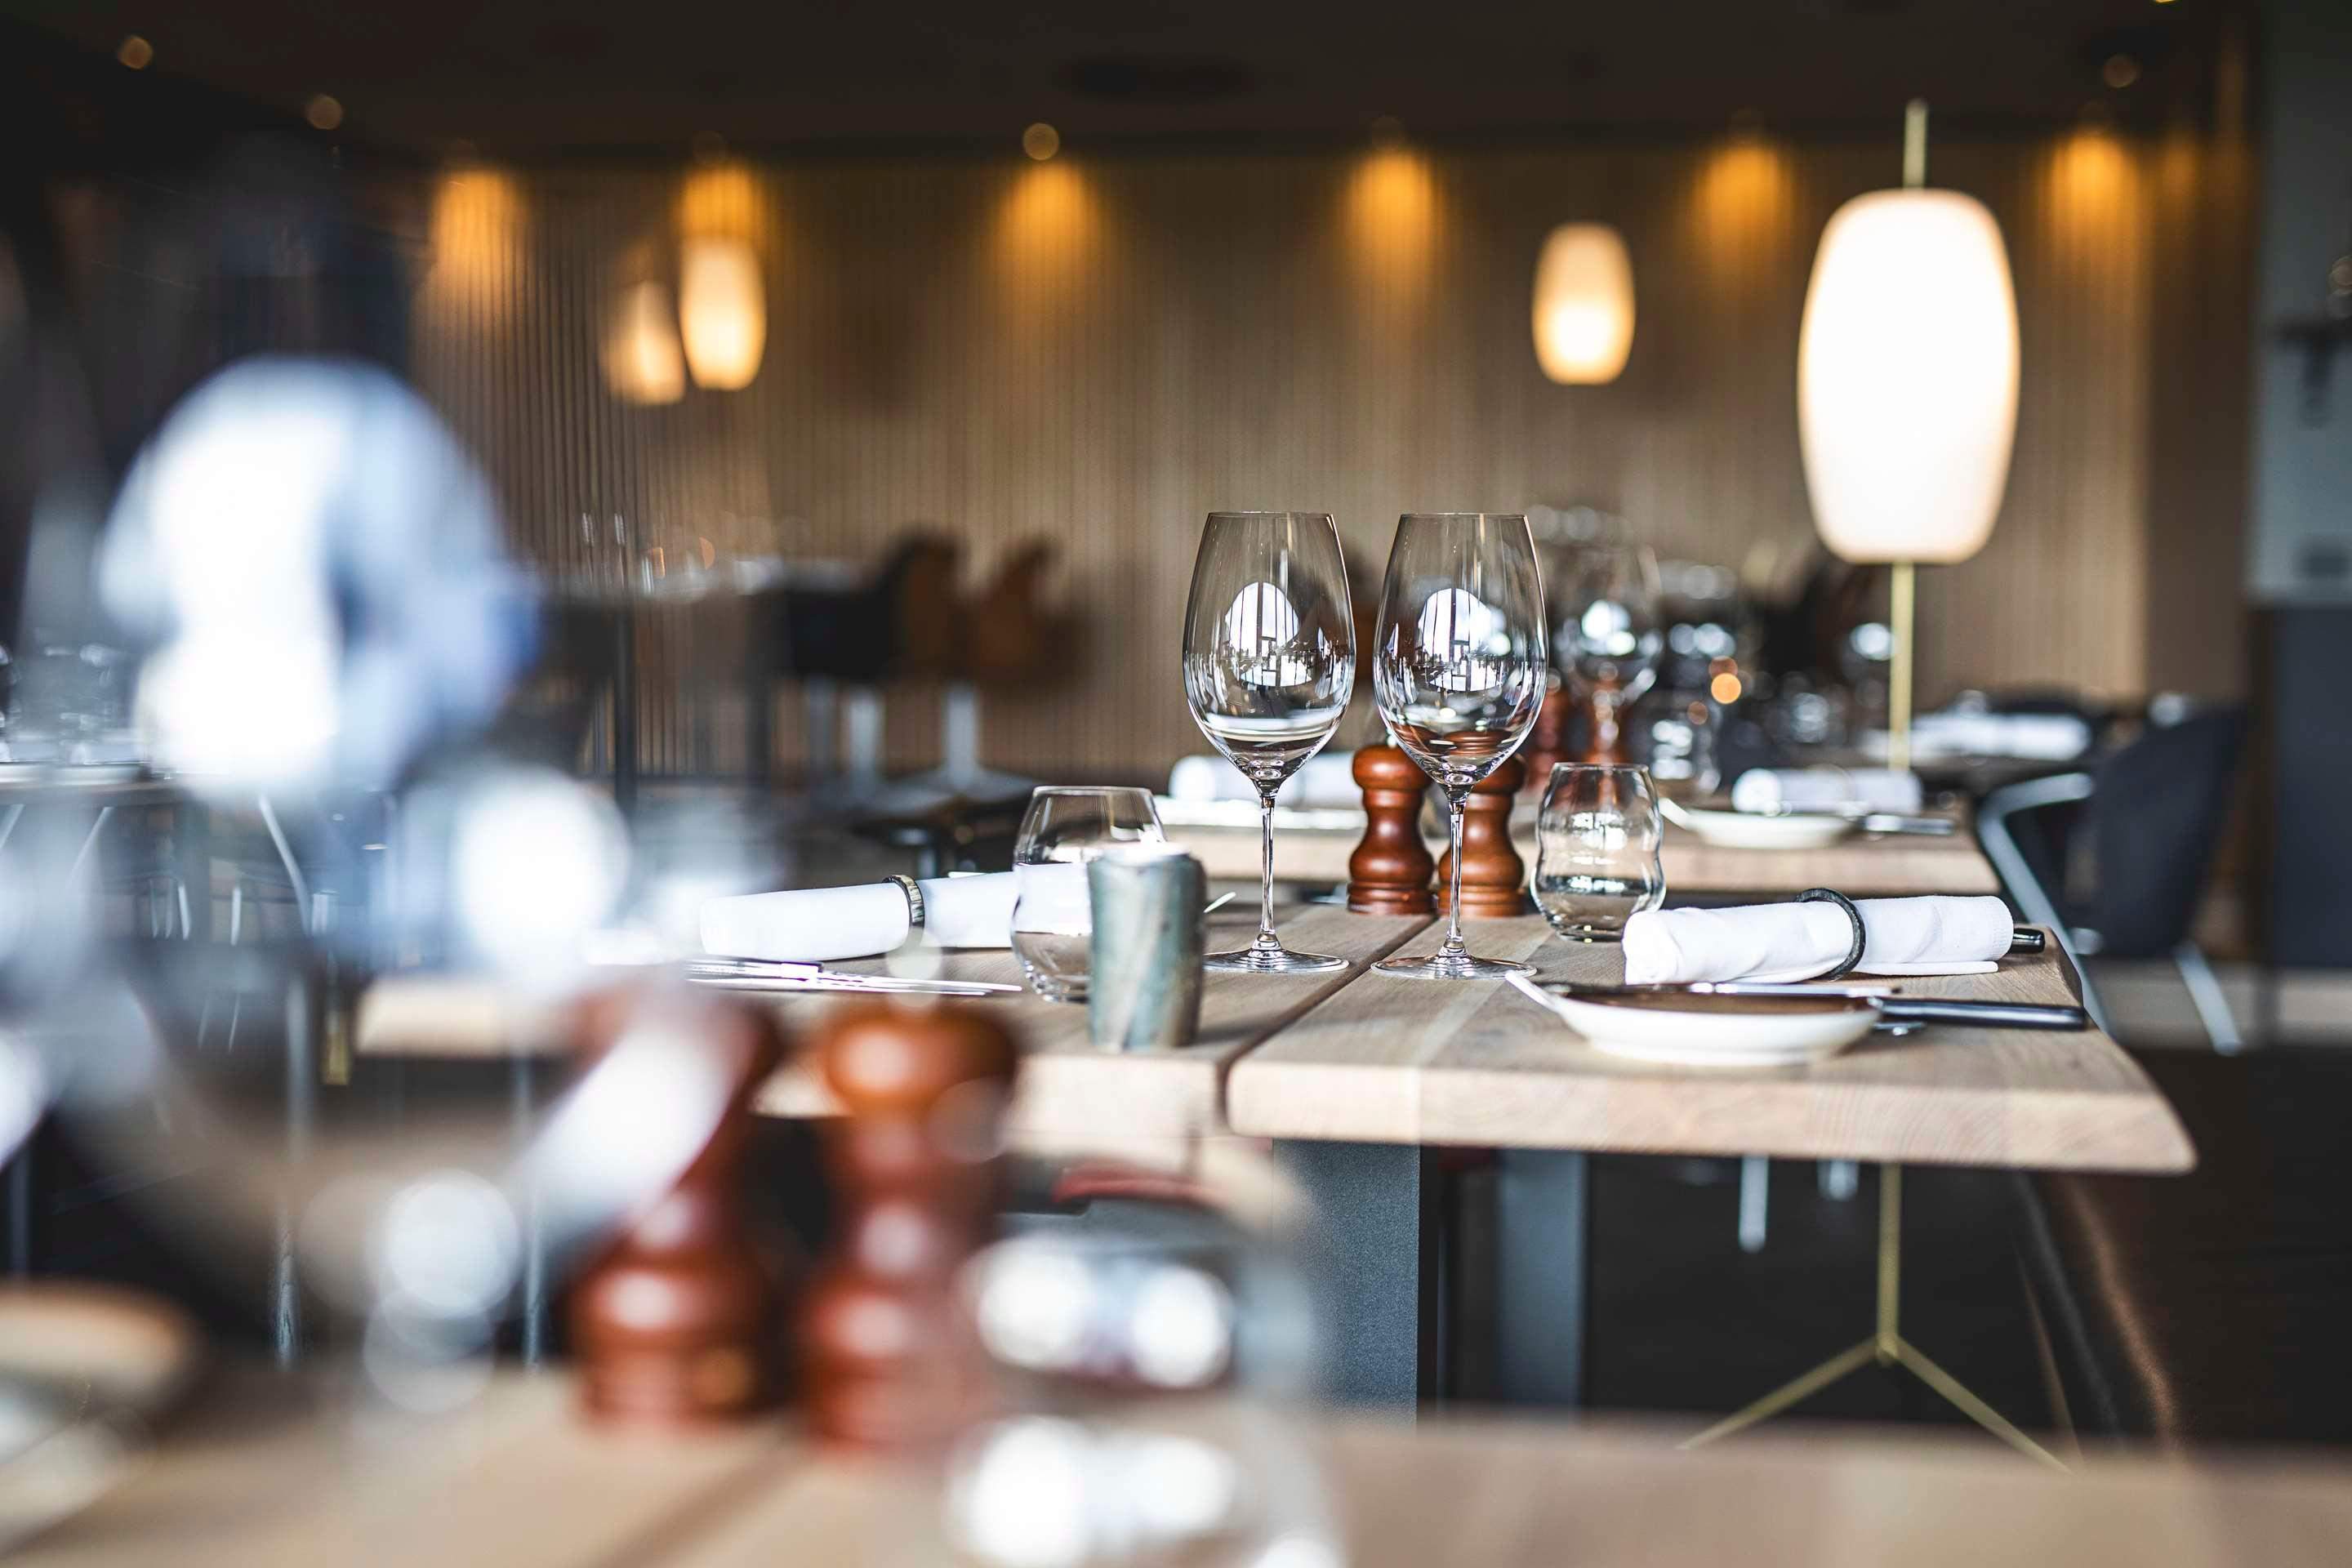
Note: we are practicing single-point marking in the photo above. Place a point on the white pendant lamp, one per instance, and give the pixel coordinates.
(1584, 313)
(722, 313)
(642, 361)
(1906, 387)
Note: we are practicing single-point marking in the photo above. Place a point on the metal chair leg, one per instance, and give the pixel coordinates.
(2205, 994)
(1755, 1195)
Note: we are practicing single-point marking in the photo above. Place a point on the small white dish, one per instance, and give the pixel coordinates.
(1679, 1029)
(1746, 830)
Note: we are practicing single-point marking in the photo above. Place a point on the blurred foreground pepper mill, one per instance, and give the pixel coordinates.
(1494, 878)
(680, 1322)
(891, 1364)
(1389, 873)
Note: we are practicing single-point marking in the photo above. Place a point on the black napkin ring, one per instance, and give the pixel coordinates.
(1852, 954)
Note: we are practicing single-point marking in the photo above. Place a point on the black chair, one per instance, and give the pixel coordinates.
(2113, 861)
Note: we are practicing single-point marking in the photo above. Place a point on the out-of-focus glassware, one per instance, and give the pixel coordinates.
(1269, 665)
(1052, 924)
(1459, 674)
(1597, 838)
(1608, 641)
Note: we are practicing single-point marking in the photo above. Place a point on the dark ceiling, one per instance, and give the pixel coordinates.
(538, 78)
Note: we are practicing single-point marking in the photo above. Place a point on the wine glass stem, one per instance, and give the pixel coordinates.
(1267, 940)
(1454, 900)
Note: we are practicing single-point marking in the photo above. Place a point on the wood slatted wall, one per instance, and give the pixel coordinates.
(1103, 351)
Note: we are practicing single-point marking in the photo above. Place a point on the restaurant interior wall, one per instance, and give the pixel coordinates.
(1100, 350)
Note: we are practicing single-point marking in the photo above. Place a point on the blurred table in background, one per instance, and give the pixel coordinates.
(275, 1472)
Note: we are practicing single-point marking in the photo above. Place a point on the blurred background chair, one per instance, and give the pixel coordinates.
(2115, 860)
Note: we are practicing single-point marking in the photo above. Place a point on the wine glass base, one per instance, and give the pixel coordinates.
(1272, 961)
(1458, 966)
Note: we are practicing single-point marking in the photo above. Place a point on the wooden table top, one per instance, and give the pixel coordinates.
(1394, 1060)
(265, 1473)
(1860, 865)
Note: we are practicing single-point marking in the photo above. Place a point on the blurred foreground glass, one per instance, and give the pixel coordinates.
(1597, 838)
(1269, 665)
(1052, 923)
(1609, 640)
(1459, 674)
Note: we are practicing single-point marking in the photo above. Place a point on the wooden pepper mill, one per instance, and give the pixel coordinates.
(1389, 873)
(679, 1321)
(890, 1359)
(1494, 878)
(1546, 745)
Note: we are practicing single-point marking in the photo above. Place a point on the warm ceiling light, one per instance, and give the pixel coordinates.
(1906, 377)
(135, 52)
(1583, 314)
(722, 310)
(1041, 141)
(642, 362)
(2120, 71)
(323, 112)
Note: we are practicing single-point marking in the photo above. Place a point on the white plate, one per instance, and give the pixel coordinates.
(1692, 1030)
(1745, 830)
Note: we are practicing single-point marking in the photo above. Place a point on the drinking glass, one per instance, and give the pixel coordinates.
(1459, 674)
(1269, 664)
(1597, 835)
(1609, 637)
(1052, 923)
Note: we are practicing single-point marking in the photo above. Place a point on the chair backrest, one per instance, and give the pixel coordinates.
(2156, 815)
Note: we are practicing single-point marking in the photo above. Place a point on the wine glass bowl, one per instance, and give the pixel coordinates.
(1459, 673)
(1609, 637)
(1051, 919)
(1269, 665)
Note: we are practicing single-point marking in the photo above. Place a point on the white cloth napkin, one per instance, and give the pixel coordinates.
(1320, 780)
(822, 923)
(1782, 942)
(1826, 789)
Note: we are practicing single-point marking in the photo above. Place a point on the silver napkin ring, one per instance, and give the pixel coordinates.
(914, 892)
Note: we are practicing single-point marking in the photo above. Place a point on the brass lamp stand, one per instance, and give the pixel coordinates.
(1886, 1347)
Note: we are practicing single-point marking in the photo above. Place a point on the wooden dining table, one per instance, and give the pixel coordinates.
(273, 1470)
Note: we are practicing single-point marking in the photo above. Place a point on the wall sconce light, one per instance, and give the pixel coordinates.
(722, 313)
(642, 361)
(1583, 314)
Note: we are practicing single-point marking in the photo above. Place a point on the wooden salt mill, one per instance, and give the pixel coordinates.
(1546, 745)
(679, 1321)
(1389, 873)
(1494, 878)
(890, 1361)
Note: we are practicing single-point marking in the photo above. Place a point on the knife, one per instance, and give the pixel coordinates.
(1892, 1008)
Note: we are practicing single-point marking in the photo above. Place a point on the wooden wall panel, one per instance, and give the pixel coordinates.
(1102, 352)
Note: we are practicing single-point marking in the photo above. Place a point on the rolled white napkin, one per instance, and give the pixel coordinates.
(1320, 780)
(1781, 942)
(822, 923)
(1826, 789)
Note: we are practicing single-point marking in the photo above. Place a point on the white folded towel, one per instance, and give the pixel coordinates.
(822, 923)
(1320, 780)
(1781, 942)
(1826, 789)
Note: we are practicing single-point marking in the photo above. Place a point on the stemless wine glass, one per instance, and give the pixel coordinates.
(1052, 921)
(1609, 637)
(1269, 664)
(1459, 674)
(1597, 836)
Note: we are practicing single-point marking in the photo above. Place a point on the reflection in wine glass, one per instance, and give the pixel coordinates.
(1269, 664)
(1459, 674)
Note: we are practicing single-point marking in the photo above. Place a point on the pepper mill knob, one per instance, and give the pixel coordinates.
(890, 1364)
(1389, 873)
(1494, 878)
(679, 1324)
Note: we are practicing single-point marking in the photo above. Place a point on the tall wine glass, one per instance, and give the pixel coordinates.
(1270, 663)
(1609, 638)
(1459, 673)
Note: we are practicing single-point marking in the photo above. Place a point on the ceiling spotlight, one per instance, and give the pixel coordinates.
(1041, 141)
(2120, 71)
(323, 112)
(135, 52)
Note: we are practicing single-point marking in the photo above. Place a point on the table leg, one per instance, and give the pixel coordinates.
(1372, 1256)
(1542, 1198)
(301, 1098)
(192, 856)
(534, 1239)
